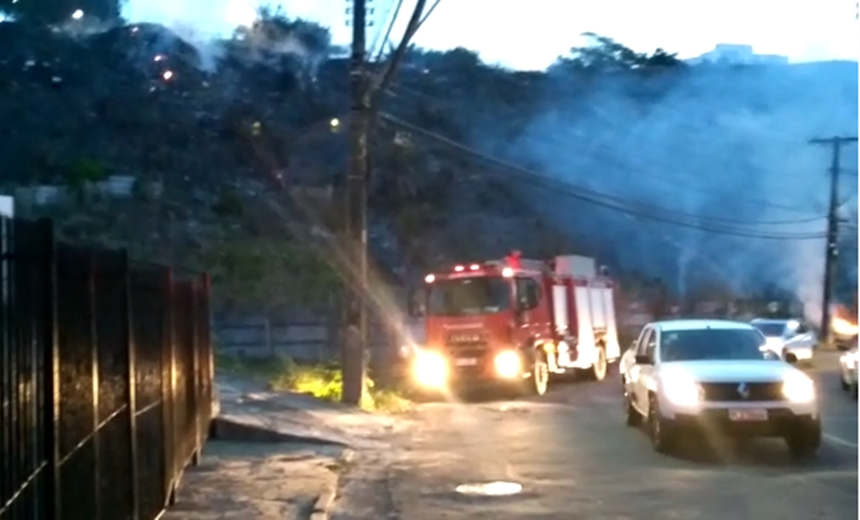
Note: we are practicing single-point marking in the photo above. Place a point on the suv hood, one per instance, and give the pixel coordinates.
(732, 371)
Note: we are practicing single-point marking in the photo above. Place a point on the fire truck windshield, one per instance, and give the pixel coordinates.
(464, 296)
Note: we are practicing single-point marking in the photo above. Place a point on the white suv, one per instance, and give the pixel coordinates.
(710, 375)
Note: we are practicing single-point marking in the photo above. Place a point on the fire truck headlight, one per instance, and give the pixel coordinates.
(430, 369)
(508, 364)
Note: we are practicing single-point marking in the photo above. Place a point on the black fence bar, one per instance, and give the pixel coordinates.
(106, 379)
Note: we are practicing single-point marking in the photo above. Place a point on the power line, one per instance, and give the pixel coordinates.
(381, 81)
(593, 197)
(605, 158)
(428, 13)
(387, 38)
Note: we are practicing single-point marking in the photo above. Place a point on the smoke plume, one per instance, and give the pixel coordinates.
(721, 143)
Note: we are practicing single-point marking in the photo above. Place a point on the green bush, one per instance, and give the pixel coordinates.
(322, 380)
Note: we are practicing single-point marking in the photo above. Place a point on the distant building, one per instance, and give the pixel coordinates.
(733, 54)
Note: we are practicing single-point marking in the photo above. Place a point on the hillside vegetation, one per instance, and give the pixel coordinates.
(238, 149)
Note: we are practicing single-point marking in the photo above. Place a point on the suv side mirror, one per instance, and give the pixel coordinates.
(643, 359)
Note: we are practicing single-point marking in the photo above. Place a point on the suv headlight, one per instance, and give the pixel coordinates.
(682, 390)
(798, 388)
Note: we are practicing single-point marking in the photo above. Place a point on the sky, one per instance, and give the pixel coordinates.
(531, 34)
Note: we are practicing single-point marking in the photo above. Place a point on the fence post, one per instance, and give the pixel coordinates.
(125, 276)
(92, 264)
(194, 315)
(50, 366)
(206, 321)
(169, 387)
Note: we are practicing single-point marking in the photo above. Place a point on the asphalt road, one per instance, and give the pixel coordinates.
(574, 458)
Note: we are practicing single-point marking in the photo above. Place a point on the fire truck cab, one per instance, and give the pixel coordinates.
(515, 322)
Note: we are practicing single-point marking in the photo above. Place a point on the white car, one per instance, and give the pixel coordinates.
(848, 370)
(711, 376)
(792, 340)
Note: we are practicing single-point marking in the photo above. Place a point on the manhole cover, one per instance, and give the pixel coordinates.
(490, 489)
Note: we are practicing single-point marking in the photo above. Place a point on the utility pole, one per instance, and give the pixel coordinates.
(831, 252)
(355, 340)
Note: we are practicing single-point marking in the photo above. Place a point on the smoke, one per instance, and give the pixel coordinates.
(212, 28)
(210, 49)
(721, 143)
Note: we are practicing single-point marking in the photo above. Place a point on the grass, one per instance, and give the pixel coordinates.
(322, 380)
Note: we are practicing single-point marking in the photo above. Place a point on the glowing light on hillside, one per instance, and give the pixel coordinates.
(77, 15)
(168, 75)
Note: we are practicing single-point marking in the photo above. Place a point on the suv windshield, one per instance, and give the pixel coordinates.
(711, 344)
(478, 295)
(770, 329)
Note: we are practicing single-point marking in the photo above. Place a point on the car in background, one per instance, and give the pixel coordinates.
(848, 370)
(712, 377)
(790, 339)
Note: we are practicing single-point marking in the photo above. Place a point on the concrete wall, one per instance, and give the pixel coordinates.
(305, 341)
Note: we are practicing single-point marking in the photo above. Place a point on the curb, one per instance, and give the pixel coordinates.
(324, 502)
(323, 505)
(227, 430)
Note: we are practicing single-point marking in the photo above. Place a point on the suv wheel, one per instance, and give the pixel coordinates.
(804, 440)
(660, 430)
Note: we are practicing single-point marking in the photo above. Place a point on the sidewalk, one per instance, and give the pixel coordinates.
(247, 481)
(277, 455)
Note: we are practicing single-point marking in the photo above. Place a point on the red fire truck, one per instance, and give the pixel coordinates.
(516, 322)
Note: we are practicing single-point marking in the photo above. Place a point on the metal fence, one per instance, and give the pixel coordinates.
(105, 379)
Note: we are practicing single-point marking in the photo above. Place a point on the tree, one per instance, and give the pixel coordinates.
(83, 173)
(271, 273)
(605, 54)
(60, 11)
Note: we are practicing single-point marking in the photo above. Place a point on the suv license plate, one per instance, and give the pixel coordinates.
(748, 415)
(467, 362)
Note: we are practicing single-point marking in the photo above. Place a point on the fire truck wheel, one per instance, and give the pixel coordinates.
(540, 375)
(600, 366)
